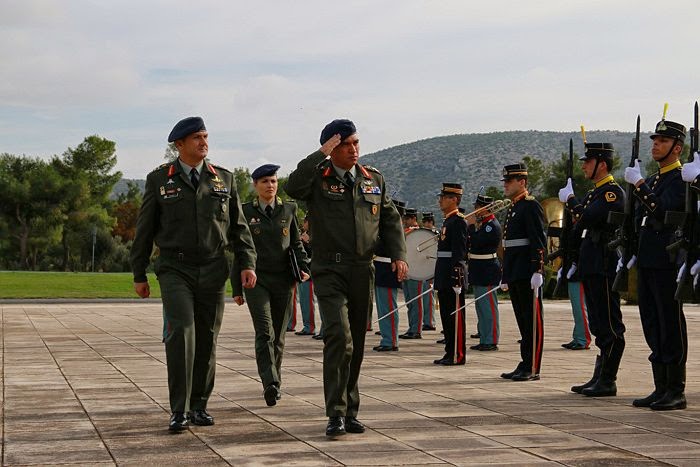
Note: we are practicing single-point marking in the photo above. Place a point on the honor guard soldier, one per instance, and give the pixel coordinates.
(305, 290)
(386, 291)
(596, 264)
(192, 212)
(349, 211)
(523, 261)
(662, 315)
(449, 270)
(484, 237)
(428, 222)
(412, 288)
(273, 223)
(691, 174)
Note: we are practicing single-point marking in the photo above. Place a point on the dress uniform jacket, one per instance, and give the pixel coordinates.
(453, 243)
(524, 220)
(484, 241)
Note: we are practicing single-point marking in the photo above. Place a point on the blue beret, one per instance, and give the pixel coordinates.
(185, 127)
(264, 171)
(341, 127)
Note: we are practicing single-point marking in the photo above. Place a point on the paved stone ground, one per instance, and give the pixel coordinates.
(85, 384)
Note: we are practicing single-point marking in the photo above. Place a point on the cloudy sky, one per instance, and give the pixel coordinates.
(267, 76)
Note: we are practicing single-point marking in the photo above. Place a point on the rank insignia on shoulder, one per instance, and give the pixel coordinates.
(610, 197)
(373, 169)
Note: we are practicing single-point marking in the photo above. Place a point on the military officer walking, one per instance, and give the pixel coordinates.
(596, 264)
(523, 261)
(662, 315)
(349, 211)
(273, 224)
(191, 210)
(449, 271)
(484, 237)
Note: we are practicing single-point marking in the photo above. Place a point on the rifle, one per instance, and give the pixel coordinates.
(625, 239)
(564, 234)
(687, 235)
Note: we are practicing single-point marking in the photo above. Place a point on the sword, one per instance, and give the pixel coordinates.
(430, 289)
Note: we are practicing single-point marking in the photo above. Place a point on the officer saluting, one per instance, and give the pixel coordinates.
(662, 315)
(191, 210)
(523, 261)
(596, 264)
(349, 211)
(275, 230)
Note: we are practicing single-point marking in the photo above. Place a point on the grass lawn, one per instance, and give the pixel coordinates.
(22, 284)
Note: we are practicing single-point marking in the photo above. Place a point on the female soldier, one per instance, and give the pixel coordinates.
(273, 225)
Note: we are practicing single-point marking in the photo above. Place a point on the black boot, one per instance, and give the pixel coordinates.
(659, 371)
(594, 378)
(605, 385)
(674, 398)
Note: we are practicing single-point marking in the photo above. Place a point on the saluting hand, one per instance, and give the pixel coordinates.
(401, 269)
(330, 145)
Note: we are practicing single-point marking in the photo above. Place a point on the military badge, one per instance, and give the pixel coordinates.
(374, 209)
(257, 231)
(254, 220)
(162, 191)
(610, 197)
(373, 190)
(170, 180)
(285, 231)
(488, 228)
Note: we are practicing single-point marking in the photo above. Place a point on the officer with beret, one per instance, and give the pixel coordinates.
(662, 315)
(273, 223)
(596, 264)
(192, 212)
(484, 237)
(449, 275)
(411, 287)
(350, 210)
(428, 222)
(524, 241)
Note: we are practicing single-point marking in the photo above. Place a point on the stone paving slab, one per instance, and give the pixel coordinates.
(85, 384)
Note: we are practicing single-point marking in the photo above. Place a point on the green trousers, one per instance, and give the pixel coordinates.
(270, 305)
(344, 300)
(193, 307)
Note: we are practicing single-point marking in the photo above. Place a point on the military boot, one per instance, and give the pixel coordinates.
(674, 398)
(594, 378)
(605, 385)
(659, 371)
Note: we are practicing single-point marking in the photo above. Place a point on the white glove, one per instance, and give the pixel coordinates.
(504, 287)
(620, 265)
(691, 170)
(567, 191)
(633, 174)
(559, 274)
(695, 269)
(632, 262)
(571, 271)
(681, 271)
(536, 281)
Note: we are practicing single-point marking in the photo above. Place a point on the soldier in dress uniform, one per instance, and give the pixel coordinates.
(192, 212)
(596, 264)
(524, 240)
(273, 223)
(691, 174)
(662, 315)
(349, 211)
(386, 291)
(449, 279)
(411, 287)
(485, 271)
(428, 222)
(305, 290)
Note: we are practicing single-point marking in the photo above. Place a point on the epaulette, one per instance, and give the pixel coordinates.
(373, 169)
(161, 166)
(529, 197)
(220, 167)
(459, 214)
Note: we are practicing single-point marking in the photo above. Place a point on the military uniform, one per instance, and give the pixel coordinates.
(305, 292)
(662, 315)
(484, 237)
(192, 226)
(270, 301)
(429, 298)
(386, 290)
(346, 220)
(451, 257)
(524, 241)
(411, 289)
(596, 268)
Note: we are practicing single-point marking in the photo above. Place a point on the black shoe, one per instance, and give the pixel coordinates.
(336, 426)
(200, 417)
(601, 388)
(178, 422)
(352, 425)
(440, 361)
(271, 395)
(410, 335)
(441, 341)
(318, 337)
(452, 363)
(525, 376)
(475, 336)
(385, 348)
(577, 346)
(303, 332)
(475, 347)
(568, 345)
(487, 347)
(510, 374)
(428, 328)
(378, 333)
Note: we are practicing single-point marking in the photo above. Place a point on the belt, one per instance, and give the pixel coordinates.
(516, 242)
(444, 254)
(342, 258)
(483, 256)
(188, 258)
(382, 259)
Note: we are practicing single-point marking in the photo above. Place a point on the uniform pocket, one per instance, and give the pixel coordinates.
(219, 205)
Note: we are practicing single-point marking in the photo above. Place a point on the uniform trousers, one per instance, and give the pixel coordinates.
(305, 292)
(411, 289)
(604, 314)
(530, 324)
(388, 327)
(344, 300)
(578, 298)
(428, 306)
(292, 322)
(454, 325)
(487, 314)
(270, 305)
(193, 308)
(662, 316)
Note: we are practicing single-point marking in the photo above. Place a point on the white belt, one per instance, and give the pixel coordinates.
(444, 254)
(484, 256)
(382, 259)
(516, 242)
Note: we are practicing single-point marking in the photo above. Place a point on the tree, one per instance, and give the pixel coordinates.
(125, 211)
(171, 152)
(537, 174)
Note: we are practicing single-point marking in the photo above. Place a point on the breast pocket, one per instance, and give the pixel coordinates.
(219, 206)
(172, 209)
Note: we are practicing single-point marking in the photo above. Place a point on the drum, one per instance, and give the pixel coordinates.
(421, 253)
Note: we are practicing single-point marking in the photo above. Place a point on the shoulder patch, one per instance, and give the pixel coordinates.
(372, 169)
(610, 197)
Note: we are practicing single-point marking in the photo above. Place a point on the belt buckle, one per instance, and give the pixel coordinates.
(337, 257)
